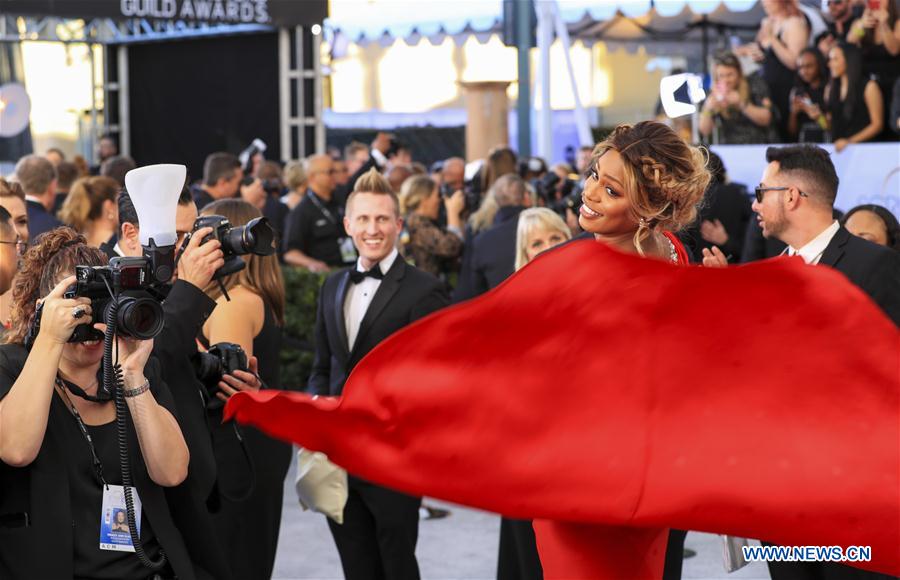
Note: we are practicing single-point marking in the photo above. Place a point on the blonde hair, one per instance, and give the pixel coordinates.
(415, 190)
(665, 178)
(262, 276)
(373, 182)
(532, 219)
(483, 217)
(295, 175)
(84, 203)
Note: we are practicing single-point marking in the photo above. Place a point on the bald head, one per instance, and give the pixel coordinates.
(397, 175)
(454, 173)
(320, 174)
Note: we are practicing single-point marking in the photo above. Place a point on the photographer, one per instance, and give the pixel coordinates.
(248, 525)
(431, 247)
(58, 442)
(185, 310)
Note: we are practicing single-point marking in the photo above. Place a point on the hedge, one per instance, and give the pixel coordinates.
(301, 290)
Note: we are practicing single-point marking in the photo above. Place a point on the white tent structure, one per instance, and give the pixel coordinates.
(689, 29)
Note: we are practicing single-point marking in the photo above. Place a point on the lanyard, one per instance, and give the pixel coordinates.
(97, 464)
(325, 211)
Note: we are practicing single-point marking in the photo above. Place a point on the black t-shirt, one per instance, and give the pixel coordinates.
(85, 490)
(277, 213)
(86, 495)
(315, 227)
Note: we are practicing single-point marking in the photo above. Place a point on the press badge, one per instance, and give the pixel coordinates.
(114, 532)
(348, 252)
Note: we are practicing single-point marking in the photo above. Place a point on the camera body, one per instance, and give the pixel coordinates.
(221, 359)
(548, 186)
(254, 238)
(127, 282)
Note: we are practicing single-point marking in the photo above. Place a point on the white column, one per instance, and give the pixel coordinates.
(284, 92)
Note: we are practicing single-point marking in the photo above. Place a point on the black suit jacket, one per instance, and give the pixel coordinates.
(730, 204)
(185, 309)
(39, 220)
(492, 256)
(875, 269)
(405, 295)
(757, 247)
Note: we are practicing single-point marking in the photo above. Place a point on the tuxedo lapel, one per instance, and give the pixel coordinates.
(386, 290)
(340, 297)
(835, 248)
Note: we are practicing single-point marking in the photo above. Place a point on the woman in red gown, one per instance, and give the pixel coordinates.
(643, 186)
(648, 395)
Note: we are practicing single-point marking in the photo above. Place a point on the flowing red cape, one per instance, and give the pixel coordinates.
(596, 387)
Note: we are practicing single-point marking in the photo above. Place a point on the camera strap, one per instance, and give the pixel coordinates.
(95, 460)
(101, 397)
(325, 211)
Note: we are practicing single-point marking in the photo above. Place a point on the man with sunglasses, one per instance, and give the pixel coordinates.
(794, 203)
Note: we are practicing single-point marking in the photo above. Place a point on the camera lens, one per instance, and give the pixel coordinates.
(208, 369)
(140, 318)
(254, 238)
(258, 237)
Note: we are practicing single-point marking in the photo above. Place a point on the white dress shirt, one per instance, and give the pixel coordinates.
(813, 250)
(359, 296)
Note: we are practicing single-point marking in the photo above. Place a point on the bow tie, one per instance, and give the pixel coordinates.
(375, 272)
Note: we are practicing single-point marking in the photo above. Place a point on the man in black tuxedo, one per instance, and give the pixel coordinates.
(358, 308)
(37, 176)
(491, 257)
(794, 203)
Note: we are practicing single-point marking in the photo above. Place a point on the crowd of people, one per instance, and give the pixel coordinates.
(811, 76)
(400, 241)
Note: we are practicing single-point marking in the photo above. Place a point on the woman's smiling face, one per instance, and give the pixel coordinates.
(607, 209)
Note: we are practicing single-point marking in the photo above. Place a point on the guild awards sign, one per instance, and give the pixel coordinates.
(271, 12)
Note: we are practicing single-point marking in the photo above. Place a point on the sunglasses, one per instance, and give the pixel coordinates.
(19, 243)
(761, 192)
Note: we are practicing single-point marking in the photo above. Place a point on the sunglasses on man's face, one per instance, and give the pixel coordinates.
(761, 192)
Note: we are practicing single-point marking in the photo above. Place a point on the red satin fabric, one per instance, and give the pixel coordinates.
(595, 387)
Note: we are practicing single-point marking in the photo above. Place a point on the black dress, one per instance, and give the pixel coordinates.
(248, 527)
(780, 80)
(848, 119)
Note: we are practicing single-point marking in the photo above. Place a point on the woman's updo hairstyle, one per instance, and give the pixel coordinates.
(51, 257)
(665, 178)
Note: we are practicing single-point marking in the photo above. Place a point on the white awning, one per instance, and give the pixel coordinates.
(384, 21)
